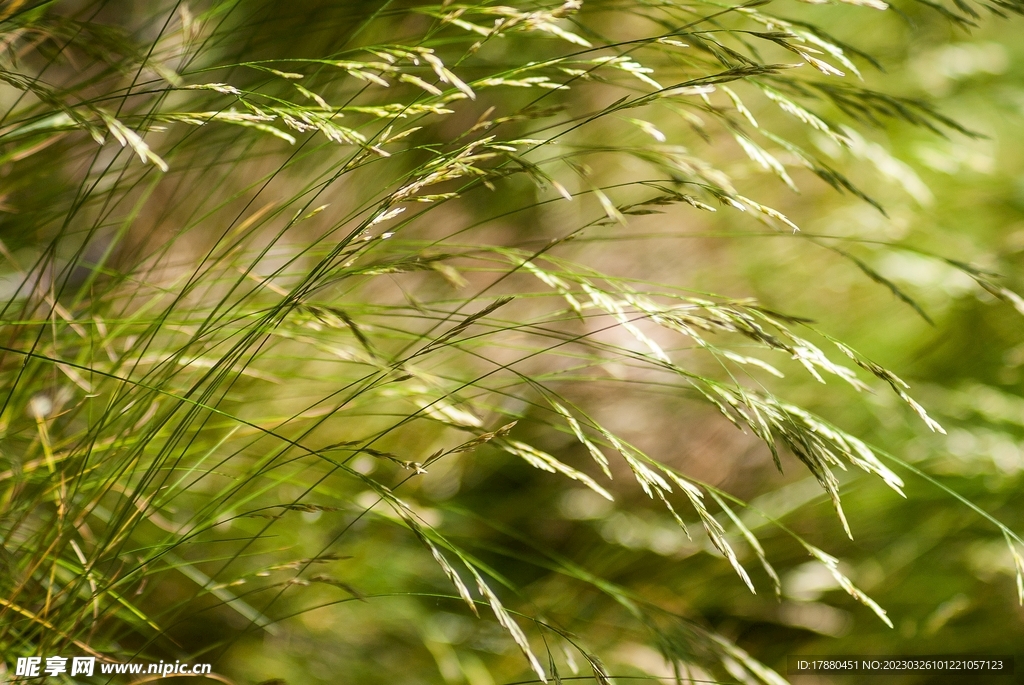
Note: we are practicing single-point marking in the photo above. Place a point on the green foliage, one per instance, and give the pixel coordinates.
(331, 328)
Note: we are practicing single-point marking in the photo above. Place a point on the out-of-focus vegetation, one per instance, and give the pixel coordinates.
(377, 342)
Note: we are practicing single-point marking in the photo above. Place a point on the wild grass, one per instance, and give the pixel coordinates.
(260, 284)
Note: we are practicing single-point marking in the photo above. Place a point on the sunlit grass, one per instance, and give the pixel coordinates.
(256, 300)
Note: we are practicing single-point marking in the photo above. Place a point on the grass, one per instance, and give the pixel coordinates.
(276, 275)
